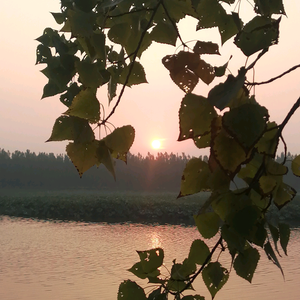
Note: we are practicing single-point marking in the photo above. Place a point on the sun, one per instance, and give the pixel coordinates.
(156, 144)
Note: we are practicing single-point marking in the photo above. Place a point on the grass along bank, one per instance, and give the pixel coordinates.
(115, 207)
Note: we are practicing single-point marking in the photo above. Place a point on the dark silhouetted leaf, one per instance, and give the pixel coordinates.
(199, 252)
(130, 290)
(208, 224)
(206, 48)
(245, 263)
(284, 235)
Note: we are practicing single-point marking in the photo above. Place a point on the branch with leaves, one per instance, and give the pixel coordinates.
(100, 44)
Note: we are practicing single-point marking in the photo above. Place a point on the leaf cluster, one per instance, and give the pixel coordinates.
(105, 44)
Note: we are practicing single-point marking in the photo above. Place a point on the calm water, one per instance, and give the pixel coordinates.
(68, 261)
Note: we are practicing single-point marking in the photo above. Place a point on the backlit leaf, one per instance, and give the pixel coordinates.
(199, 252)
(194, 178)
(268, 143)
(89, 74)
(223, 93)
(206, 48)
(284, 194)
(214, 277)
(104, 156)
(246, 124)
(82, 155)
(137, 74)
(202, 141)
(235, 242)
(195, 116)
(245, 263)
(267, 184)
(275, 168)
(81, 22)
(260, 33)
(138, 271)
(184, 270)
(228, 153)
(71, 128)
(164, 32)
(120, 141)
(194, 297)
(208, 224)
(85, 105)
(68, 96)
(130, 290)
(151, 259)
(204, 71)
(269, 7)
(284, 234)
(275, 235)
(272, 256)
(296, 165)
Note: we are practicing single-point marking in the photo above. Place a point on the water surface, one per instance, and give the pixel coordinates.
(42, 260)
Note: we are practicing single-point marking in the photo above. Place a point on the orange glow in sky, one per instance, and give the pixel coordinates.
(152, 109)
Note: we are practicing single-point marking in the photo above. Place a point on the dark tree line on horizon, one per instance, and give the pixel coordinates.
(142, 173)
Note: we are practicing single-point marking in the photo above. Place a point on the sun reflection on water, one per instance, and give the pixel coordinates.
(155, 240)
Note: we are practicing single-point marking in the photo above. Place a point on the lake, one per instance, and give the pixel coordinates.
(43, 260)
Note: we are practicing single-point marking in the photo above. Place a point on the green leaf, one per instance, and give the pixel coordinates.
(151, 259)
(194, 297)
(119, 33)
(235, 242)
(214, 277)
(284, 234)
(267, 184)
(194, 178)
(284, 194)
(85, 105)
(137, 74)
(176, 285)
(68, 96)
(245, 263)
(130, 290)
(71, 128)
(184, 270)
(244, 220)
(157, 295)
(89, 74)
(51, 89)
(211, 14)
(296, 166)
(43, 54)
(138, 271)
(268, 143)
(206, 48)
(98, 42)
(195, 116)
(260, 33)
(246, 124)
(81, 22)
(275, 235)
(164, 32)
(228, 153)
(199, 252)
(269, 7)
(104, 156)
(82, 155)
(59, 17)
(275, 168)
(272, 256)
(202, 141)
(221, 95)
(208, 224)
(120, 141)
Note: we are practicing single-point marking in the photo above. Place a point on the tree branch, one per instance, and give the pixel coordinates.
(132, 63)
(273, 79)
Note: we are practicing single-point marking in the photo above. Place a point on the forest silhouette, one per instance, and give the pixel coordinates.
(151, 173)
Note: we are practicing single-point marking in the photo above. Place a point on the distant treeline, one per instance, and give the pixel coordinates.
(49, 171)
(142, 173)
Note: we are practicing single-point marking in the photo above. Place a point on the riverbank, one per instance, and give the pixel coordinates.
(117, 207)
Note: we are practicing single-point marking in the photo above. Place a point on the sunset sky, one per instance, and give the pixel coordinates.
(26, 121)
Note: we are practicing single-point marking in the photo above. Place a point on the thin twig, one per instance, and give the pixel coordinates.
(132, 63)
(131, 12)
(273, 79)
(264, 51)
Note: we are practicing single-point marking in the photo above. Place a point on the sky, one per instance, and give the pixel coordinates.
(26, 121)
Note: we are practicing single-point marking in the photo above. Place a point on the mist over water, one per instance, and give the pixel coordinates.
(48, 260)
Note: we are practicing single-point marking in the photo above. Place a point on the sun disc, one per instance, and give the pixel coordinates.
(156, 144)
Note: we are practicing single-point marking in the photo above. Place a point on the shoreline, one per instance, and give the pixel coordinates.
(119, 207)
